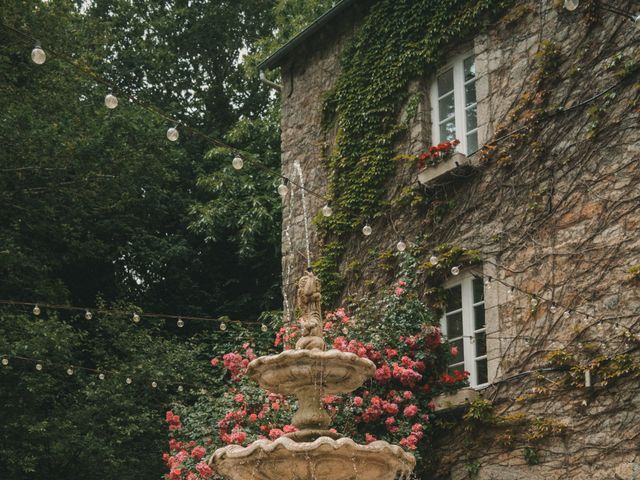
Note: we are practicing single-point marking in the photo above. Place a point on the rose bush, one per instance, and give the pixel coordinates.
(397, 332)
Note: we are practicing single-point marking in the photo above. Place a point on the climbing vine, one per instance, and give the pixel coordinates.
(399, 40)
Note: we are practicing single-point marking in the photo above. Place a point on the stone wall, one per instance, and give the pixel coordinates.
(555, 212)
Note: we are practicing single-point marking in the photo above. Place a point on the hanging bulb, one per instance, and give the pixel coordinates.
(401, 246)
(327, 211)
(283, 190)
(69, 371)
(154, 384)
(566, 314)
(38, 366)
(553, 308)
(366, 230)
(223, 326)
(172, 134)
(136, 318)
(433, 260)
(101, 376)
(264, 328)
(455, 271)
(37, 55)
(128, 380)
(180, 323)
(36, 310)
(571, 5)
(180, 388)
(534, 302)
(5, 361)
(88, 315)
(237, 163)
(111, 101)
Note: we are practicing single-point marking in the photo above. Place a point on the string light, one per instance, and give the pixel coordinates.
(366, 230)
(401, 246)
(36, 310)
(264, 328)
(180, 388)
(433, 260)
(38, 366)
(154, 384)
(69, 371)
(5, 361)
(223, 326)
(553, 308)
(111, 101)
(88, 315)
(534, 302)
(327, 211)
(128, 381)
(283, 190)
(237, 163)
(37, 55)
(180, 323)
(136, 318)
(455, 270)
(571, 5)
(172, 134)
(101, 376)
(567, 314)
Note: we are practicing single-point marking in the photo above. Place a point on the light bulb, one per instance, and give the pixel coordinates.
(136, 318)
(566, 314)
(154, 384)
(223, 326)
(264, 328)
(327, 211)
(69, 371)
(38, 56)
(180, 323)
(345, 331)
(180, 388)
(237, 163)
(128, 380)
(366, 230)
(455, 270)
(101, 376)
(111, 101)
(172, 134)
(534, 302)
(88, 315)
(553, 308)
(38, 366)
(5, 361)
(283, 190)
(433, 260)
(36, 310)
(571, 5)
(401, 246)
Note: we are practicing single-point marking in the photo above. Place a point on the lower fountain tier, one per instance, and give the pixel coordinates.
(322, 459)
(296, 371)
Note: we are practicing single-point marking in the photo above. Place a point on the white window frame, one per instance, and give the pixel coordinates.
(457, 64)
(469, 331)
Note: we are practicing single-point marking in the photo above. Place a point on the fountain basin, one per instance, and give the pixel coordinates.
(322, 459)
(295, 371)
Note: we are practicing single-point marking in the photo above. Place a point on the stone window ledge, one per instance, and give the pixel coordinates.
(457, 160)
(450, 401)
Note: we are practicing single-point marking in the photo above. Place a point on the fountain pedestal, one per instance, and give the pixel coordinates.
(313, 452)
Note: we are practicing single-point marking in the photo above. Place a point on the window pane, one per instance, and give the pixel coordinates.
(478, 315)
(469, 68)
(448, 131)
(481, 344)
(460, 344)
(446, 107)
(478, 291)
(481, 369)
(453, 298)
(470, 94)
(472, 118)
(472, 142)
(445, 82)
(454, 325)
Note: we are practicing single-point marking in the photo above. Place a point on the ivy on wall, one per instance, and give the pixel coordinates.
(398, 41)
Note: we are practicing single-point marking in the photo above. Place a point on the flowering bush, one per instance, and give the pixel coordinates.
(398, 333)
(437, 154)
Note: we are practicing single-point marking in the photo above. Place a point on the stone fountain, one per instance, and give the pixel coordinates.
(313, 452)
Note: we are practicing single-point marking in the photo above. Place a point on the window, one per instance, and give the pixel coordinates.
(463, 323)
(454, 106)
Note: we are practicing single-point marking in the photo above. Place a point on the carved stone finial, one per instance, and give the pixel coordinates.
(310, 313)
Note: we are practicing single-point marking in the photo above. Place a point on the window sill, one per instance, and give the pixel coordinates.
(454, 400)
(457, 160)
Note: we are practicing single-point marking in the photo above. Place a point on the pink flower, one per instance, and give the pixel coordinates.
(402, 283)
(275, 433)
(416, 427)
(357, 401)
(289, 429)
(253, 417)
(369, 438)
(239, 398)
(399, 291)
(192, 476)
(175, 474)
(204, 470)
(410, 411)
(391, 408)
(407, 395)
(215, 362)
(197, 453)
(454, 351)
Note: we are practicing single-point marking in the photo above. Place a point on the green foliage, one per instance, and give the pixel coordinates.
(473, 469)
(480, 413)
(530, 456)
(397, 42)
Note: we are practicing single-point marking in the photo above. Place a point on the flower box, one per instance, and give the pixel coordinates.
(430, 173)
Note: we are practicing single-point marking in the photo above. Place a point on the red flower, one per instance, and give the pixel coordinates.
(215, 362)
(410, 411)
(357, 401)
(369, 438)
(204, 470)
(197, 453)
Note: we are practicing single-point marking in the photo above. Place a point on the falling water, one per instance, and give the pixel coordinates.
(298, 168)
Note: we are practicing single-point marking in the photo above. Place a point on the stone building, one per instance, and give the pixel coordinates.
(545, 185)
